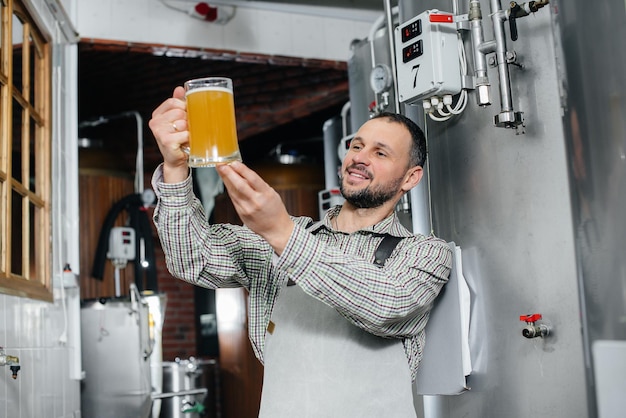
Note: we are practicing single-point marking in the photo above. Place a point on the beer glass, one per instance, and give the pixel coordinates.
(211, 121)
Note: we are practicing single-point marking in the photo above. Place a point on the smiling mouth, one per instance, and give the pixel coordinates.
(358, 173)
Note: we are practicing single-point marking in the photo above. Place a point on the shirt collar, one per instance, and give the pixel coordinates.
(390, 225)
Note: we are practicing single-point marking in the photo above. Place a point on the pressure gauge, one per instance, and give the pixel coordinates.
(380, 78)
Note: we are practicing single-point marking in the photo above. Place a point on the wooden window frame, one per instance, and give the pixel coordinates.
(32, 184)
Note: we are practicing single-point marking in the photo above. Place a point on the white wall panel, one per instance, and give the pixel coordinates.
(250, 31)
(31, 329)
(268, 32)
(128, 18)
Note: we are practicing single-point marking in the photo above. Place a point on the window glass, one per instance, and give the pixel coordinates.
(33, 151)
(34, 245)
(16, 142)
(25, 155)
(32, 70)
(16, 233)
(18, 47)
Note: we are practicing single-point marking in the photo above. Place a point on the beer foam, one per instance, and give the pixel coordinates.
(210, 88)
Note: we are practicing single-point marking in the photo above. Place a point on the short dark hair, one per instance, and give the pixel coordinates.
(418, 147)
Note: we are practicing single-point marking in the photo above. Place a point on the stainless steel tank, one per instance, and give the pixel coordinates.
(538, 215)
(116, 348)
(367, 53)
(183, 392)
(594, 84)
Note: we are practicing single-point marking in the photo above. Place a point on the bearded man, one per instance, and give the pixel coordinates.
(338, 326)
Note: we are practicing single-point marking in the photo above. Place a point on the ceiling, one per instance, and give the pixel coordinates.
(278, 100)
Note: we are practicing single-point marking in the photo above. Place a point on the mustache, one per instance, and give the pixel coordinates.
(360, 168)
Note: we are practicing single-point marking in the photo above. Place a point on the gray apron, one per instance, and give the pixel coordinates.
(318, 365)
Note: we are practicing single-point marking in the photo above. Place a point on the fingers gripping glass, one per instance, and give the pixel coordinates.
(211, 120)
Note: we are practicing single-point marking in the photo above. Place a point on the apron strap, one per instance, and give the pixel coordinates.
(383, 251)
(385, 248)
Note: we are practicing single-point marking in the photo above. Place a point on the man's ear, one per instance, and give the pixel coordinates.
(412, 178)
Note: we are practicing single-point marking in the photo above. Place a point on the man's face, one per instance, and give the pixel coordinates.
(374, 170)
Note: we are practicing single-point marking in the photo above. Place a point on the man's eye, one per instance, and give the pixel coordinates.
(381, 154)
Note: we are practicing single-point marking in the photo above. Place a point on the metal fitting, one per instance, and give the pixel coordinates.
(12, 361)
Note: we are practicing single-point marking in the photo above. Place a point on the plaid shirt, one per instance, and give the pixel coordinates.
(337, 268)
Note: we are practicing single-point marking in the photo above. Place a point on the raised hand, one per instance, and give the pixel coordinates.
(259, 206)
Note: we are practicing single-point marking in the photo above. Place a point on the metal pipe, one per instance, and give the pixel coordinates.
(498, 16)
(331, 158)
(12, 361)
(392, 49)
(139, 159)
(378, 24)
(139, 178)
(189, 392)
(480, 49)
(344, 118)
(434, 406)
(507, 118)
(455, 7)
(9, 360)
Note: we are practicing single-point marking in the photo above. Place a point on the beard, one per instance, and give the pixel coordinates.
(370, 197)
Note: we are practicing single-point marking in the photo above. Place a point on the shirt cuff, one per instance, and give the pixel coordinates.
(292, 259)
(172, 194)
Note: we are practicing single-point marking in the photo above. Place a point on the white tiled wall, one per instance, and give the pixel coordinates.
(48, 385)
(31, 330)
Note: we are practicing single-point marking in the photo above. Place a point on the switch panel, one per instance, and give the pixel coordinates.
(121, 243)
(427, 56)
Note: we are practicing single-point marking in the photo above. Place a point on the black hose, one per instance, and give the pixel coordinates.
(140, 222)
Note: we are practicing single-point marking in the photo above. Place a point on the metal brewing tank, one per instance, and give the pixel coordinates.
(538, 215)
(503, 198)
(359, 67)
(183, 394)
(594, 84)
(116, 348)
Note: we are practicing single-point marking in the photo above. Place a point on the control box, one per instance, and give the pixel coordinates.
(121, 243)
(427, 56)
(329, 198)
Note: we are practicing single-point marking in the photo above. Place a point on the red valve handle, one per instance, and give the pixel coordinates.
(530, 318)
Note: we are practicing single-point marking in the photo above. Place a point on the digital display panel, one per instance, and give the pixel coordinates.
(412, 51)
(411, 30)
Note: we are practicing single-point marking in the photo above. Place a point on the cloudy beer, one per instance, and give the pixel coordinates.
(211, 118)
